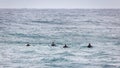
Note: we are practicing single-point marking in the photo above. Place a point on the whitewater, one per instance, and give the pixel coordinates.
(74, 27)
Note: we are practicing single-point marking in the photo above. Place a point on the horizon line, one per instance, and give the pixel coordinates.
(59, 8)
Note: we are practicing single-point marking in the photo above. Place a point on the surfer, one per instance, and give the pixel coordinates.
(53, 44)
(65, 46)
(28, 45)
(89, 45)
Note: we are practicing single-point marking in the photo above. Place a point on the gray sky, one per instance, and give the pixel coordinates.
(59, 3)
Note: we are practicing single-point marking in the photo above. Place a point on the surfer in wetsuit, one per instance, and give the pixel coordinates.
(65, 46)
(53, 44)
(28, 45)
(89, 45)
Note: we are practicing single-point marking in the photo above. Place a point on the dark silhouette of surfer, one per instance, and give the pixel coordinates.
(53, 44)
(65, 46)
(28, 45)
(89, 45)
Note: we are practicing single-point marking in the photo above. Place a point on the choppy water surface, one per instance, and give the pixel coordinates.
(76, 28)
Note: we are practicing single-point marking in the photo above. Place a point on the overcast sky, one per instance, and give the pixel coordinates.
(59, 3)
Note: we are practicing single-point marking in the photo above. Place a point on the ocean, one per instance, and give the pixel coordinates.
(74, 27)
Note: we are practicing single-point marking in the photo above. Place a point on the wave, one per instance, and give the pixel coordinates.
(48, 22)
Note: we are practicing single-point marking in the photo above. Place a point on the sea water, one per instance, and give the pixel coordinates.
(74, 27)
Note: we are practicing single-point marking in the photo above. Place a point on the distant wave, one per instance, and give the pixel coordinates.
(28, 35)
(47, 22)
(54, 59)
